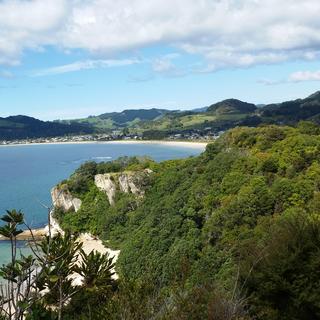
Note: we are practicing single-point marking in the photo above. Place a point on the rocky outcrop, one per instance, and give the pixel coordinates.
(63, 199)
(106, 183)
(127, 182)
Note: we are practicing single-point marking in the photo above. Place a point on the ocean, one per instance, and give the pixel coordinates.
(28, 172)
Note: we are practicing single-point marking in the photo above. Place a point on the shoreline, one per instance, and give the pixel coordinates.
(196, 144)
(89, 243)
(26, 235)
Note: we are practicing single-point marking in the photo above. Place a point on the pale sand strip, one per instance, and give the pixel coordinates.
(90, 244)
(193, 144)
(35, 234)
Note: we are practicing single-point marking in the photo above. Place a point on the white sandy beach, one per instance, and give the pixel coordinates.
(193, 144)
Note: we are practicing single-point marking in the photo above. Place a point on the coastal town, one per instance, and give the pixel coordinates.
(192, 135)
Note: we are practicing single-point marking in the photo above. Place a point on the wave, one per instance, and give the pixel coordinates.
(101, 158)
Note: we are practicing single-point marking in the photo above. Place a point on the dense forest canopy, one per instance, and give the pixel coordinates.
(236, 228)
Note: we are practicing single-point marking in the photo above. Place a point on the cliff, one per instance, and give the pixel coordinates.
(127, 182)
(63, 199)
(134, 182)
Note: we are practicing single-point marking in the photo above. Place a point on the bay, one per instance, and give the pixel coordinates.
(28, 172)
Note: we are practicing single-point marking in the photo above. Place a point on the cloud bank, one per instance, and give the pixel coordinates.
(223, 33)
(84, 65)
(301, 76)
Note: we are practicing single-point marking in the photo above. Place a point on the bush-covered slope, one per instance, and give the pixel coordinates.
(125, 116)
(119, 120)
(293, 111)
(241, 221)
(22, 127)
(232, 106)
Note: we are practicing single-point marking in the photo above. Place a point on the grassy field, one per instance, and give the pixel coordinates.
(191, 120)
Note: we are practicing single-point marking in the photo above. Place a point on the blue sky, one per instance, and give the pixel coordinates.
(69, 59)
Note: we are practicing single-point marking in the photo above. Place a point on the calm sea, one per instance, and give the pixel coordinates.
(27, 173)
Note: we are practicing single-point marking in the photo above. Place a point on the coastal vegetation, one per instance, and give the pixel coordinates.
(231, 234)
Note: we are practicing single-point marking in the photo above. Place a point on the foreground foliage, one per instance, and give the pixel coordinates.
(40, 286)
(240, 222)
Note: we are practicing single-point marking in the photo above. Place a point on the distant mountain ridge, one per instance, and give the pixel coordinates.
(159, 123)
(131, 115)
(231, 113)
(22, 127)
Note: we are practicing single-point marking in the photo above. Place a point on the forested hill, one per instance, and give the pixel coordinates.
(221, 116)
(22, 127)
(231, 234)
(107, 122)
(131, 115)
(232, 106)
(293, 111)
(161, 123)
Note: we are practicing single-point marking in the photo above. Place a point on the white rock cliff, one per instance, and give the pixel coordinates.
(63, 199)
(127, 182)
(106, 183)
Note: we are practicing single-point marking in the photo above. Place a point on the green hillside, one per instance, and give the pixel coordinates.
(124, 119)
(231, 113)
(160, 123)
(293, 111)
(232, 106)
(231, 234)
(218, 117)
(22, 127)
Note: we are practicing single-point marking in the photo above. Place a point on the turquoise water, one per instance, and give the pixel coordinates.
(27, 173)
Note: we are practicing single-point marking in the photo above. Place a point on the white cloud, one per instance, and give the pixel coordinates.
(298, 76)
(225, 33)
(28, 25)
(165, 66)
(301, 76)
(84, 65)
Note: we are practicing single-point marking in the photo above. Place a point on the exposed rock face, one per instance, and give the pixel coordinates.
(106, 183)
(127, 182)
(63, 199)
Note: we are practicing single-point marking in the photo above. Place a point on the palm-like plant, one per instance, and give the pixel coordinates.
(60, 255)
(17, 295)
(97, 287)
(42, 283)
(96, 269)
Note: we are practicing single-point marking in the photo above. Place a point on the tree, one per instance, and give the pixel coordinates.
(17, 296)
(42, 285)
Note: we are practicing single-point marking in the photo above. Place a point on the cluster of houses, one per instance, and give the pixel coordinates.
(206, 134)
(116, 135)
(70, 139)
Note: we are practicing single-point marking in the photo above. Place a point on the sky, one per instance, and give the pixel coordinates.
(63, 59)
